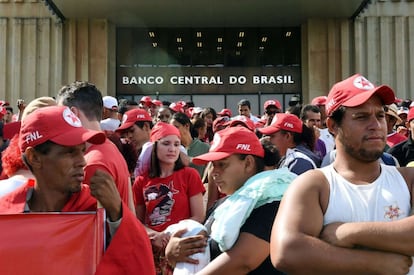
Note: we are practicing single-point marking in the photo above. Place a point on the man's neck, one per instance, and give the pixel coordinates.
(356, 171)
(47, 202)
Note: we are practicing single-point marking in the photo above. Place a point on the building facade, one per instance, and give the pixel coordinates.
(46, 44)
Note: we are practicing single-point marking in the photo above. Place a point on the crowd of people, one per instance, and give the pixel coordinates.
(320, 187)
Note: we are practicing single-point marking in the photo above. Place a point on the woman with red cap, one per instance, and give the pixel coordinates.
(169, 193)
(242, 221)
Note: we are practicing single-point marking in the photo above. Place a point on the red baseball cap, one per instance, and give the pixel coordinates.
(157, 102)
(219, 123)
(229, 141)
(410, 115)
(241, 120)
(271, 102)
(146, 100)
(177, 107)
(283, 121)
(225, 112)
(57, 124)
(132, 116)
(162, 129)
(354, 91)
(319, 100)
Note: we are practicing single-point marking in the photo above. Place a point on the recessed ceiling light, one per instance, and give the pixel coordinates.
(198, 34)
(179, 39)
(237, 52)
(154, 44)
(261, 48)
(151, 34)
(219, 48)
(264, 39)
(239, 44)
(199, 44)
(180, 49)
(241, 34)
(288, 34)
(220, 39)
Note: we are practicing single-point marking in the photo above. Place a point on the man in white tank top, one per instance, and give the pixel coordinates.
(351, 217)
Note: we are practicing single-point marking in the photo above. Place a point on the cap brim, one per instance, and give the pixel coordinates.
(124, 126)
(384, 92)
(268, 130)
(211, 156)
(78, 136)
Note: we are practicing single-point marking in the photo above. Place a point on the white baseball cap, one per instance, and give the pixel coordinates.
(110, 102)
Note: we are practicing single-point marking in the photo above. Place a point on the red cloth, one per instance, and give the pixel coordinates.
(106, 157)
(167, 200)
(130, 250)
(395, 138)
(73, 241)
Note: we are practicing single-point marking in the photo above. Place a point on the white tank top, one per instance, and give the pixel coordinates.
(385, 199)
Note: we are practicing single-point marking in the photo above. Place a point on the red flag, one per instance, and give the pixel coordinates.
(51, 243)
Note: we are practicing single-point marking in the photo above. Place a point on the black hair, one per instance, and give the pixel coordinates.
(338, 115)
(259, 161)
(124, 103)
(183, 119)
(307, 108)
(197, 124)
(82, 95)
(307, 137)
(141, 124)
(43, 148)
(244, 102)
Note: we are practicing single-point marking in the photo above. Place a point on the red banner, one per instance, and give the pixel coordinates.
(51, 243)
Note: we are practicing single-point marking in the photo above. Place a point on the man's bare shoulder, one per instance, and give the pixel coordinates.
(309, 188)
(313, 178)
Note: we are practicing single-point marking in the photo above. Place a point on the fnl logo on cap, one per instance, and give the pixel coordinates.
(33, 136)
(288, 125)
(243, 147)
(140, 116)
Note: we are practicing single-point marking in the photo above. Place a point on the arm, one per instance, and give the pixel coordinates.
(395, 236)
(296, 249)
(103, 188)
(239, 259)
(197, 211)
(180, 249)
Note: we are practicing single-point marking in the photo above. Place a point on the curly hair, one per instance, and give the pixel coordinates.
(12, 157)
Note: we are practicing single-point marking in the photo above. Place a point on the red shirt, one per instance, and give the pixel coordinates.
(167, 200)
(107, 157)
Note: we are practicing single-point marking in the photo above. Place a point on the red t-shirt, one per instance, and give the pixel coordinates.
(107, 157)
(167, 200)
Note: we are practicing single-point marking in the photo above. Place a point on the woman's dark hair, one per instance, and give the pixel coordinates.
(307, 137)
(127, 150)
(155, 169)
(183, 119)
(206, 111)
(197, 124)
